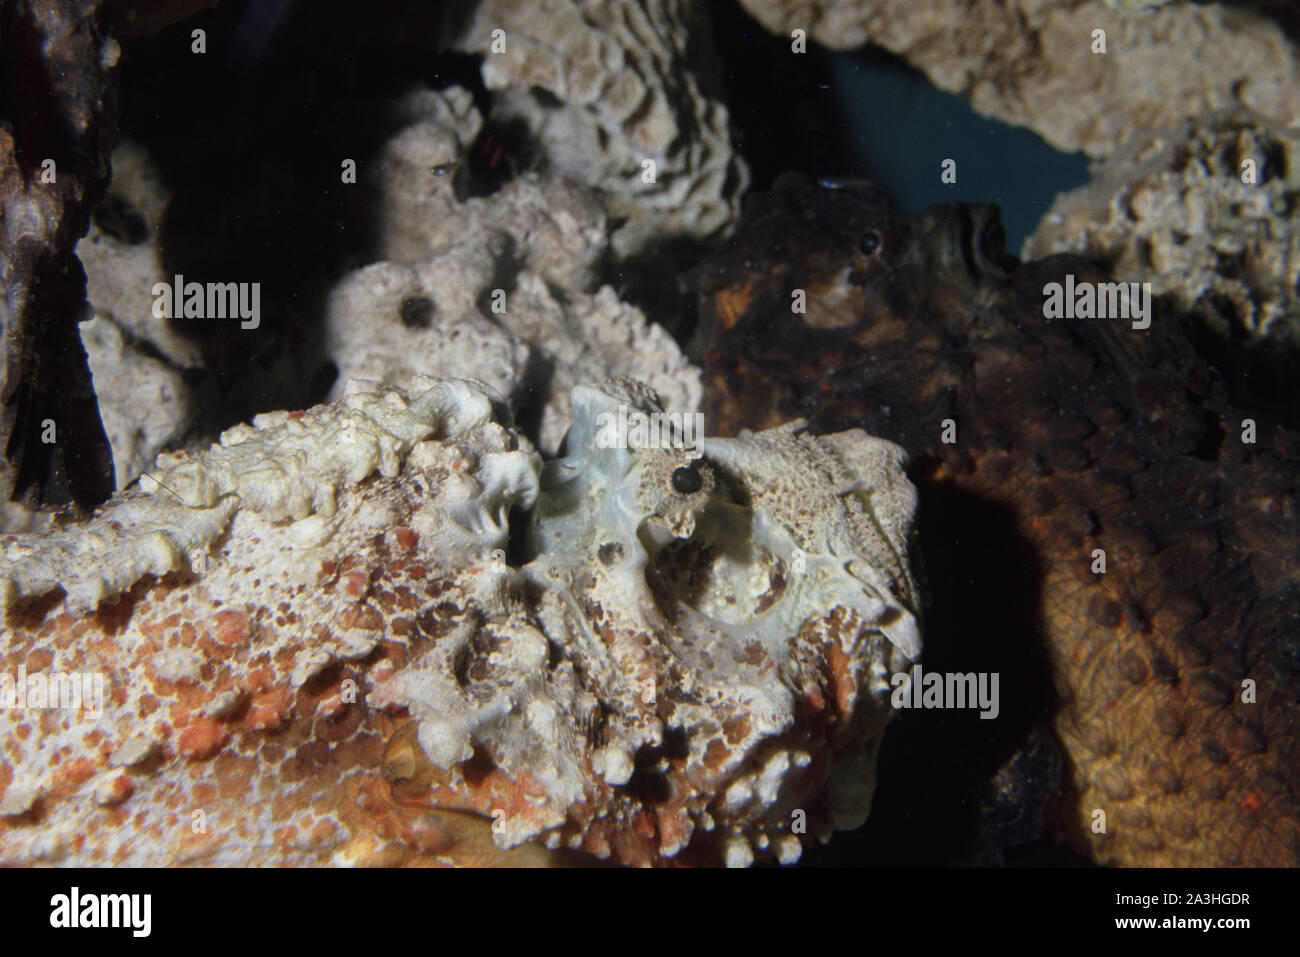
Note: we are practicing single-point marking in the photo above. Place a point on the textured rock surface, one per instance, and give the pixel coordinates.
(433, 309)
(1070, 436)
(1175, 212)
(122, 258)
(59, 82)
(313, 650)
(136, 358)
(606, 85)
(144, 403)
(1031, 62)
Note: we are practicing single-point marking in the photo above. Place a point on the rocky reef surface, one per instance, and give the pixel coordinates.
(437, 617)
(58, 80)
(1041, 63)
(1209, 214)
(621, 95)
(501, 287)
(1101, 452)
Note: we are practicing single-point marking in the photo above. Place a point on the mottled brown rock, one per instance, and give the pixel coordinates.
(1201, 591)
(54, 145)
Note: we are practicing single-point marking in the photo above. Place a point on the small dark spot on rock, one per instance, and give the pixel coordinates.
(1210, 689)
(1068, 456)
(1246, 737)
(417, 312)
(117, 217)
(609, 553)
(1108, 614)
(1214, 752)
(1169, 722)
(1133, 667)
(1164, 668)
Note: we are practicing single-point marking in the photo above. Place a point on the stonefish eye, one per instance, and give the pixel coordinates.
(869, 243)
(686, 480)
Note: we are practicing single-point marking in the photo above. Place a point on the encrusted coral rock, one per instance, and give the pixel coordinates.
(135, 358)
(144, 402)
(53, 169)
(1208, 213)
(311, 648)
(123, 259)
(499, 287)
(1032, 62)
(606, 86)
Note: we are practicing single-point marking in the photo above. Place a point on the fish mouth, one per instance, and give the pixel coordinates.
(984, 242)
(965, 237)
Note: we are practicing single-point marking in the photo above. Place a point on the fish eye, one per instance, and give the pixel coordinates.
(686, 480)
(869, 243)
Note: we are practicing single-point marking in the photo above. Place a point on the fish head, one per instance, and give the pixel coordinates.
(825, 279)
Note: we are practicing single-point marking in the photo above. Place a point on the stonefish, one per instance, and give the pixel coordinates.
(1097, 521)
(381, 631)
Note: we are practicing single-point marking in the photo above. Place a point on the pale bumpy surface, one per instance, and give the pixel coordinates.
(145, 404)
(432, 309)
(605, 85)
(1176, 212)
(314, 650)
(123, 260)
(1031, 62)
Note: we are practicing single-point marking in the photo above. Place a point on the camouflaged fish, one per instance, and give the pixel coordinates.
(317, 642)
(1097, 522)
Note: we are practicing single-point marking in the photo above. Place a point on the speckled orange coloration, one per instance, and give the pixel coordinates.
(234, 726)
(361, 680)
(287, 775)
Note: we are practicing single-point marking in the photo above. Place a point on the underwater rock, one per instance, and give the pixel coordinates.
(606, 88)
(1209, 214)
(498, 287)
(147, 17)
(1033, 64)
(121, 255)
(136, 358)
(306, 645)
(144, 403)
(59, 83)
(1088, 495)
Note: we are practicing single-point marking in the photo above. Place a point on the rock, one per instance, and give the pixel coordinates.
(53, 170)
(609, 87)
(1100, 524)
(1032, 63)
(1209, 214)
(498, 287)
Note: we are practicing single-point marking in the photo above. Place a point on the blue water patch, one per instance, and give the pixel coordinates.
(901, 128)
